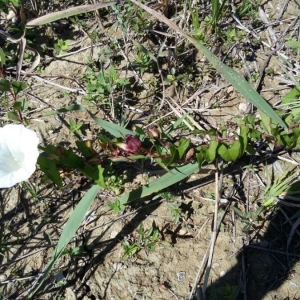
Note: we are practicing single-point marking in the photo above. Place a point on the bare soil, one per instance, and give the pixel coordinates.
(246, 265)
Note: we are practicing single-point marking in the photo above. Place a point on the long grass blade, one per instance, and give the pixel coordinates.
(238, 81)
(68, 232)
(114, 129)
(161, 183)
(67, 13)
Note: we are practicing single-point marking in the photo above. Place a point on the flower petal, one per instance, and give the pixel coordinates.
(18, 154)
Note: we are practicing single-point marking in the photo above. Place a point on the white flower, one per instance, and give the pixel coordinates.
(18, 154)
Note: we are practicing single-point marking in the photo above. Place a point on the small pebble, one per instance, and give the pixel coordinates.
(113, 234)
(181, 275)
(118, 266)
(230, 89)
(243, 107)
(182, 232)
(216, 265)
(10, 15)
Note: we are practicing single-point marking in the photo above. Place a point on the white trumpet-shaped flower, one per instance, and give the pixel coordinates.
(18, 154)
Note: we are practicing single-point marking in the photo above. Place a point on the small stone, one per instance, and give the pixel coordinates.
(118, 266)
(113, 234)
(180, 275)
(182, 232)
(222, 273)
(216, 265)
(10, 15)
(243, 107)
(230, 89)
(3, 277)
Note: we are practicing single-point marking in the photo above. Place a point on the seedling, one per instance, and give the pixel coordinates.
(61, 47)
(75, 126)
(146, 239)
(251, 219)
(279, 186)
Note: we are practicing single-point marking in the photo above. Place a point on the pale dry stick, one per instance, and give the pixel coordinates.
(168, 35)
(215, 228)
(19, 279)
(163, 85)
(160, 118)
(177, 113)
(173, 293)
(270, 30)
(185, 9)
(279, 88)
(39, 78)
(24, 256)
(179, 109)
(204, 224)
(274, 23)
(283, 9)
(75, 52)
(241, 26)
(247, 198)
(205, 257)
(22, 45)
(233, 227)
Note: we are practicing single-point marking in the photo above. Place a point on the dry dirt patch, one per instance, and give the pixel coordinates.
(98, 271)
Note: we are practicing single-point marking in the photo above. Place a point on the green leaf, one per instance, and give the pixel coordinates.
(116, 206)
(266, 123)
(18, 87)
(293, 44)
(240, 84)
(183, 146)
(86, 148)
(21, 105)
(2, 58)
(67, 13)
(230, 153)
(161, 183)
(64, 110)
(200, 159)
(211, 152)
(4, 85)
(49, 167)
(96, 173)
(115, 130)
(244, 130)
(238, 212)
(146, 51)
(291, 96)
(173, 156)
(14, 116)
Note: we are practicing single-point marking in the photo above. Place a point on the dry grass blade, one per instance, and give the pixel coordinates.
(22, 45)
(67, 13)
(36, 61)
(238, 81)
(215, 229)
(177, 113)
